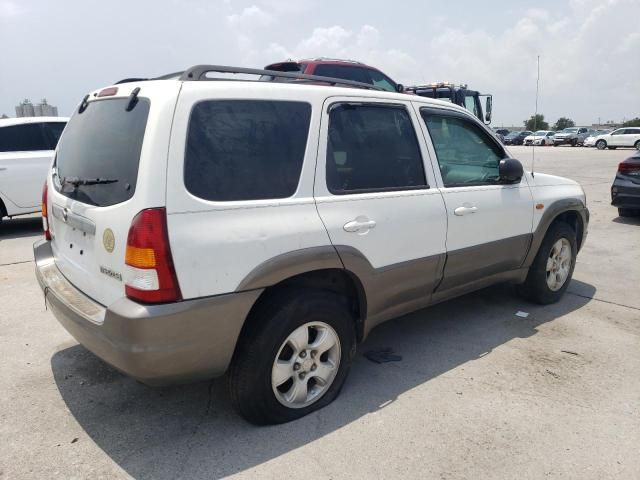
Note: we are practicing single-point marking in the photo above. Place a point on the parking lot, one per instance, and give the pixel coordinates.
(479, 392)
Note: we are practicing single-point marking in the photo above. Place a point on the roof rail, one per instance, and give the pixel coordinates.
(199, 72)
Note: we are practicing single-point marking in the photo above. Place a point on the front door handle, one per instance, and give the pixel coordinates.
(465, 209)
(360, 225)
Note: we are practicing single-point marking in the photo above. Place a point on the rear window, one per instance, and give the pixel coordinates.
(245, 149)
(103, 142)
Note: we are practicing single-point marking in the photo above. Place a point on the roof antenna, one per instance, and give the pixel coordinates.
(535, 123)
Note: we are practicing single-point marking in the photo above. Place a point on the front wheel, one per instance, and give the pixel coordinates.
(551, 270)
(293, 358)
(542, 143)
(601, 144)
(637, 145)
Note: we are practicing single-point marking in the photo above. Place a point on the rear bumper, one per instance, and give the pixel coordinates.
(156, 344)
(625, 193)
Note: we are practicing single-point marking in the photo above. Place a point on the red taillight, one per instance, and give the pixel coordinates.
(45, 218)
(629, 167)
(150, 276)
(107, 92)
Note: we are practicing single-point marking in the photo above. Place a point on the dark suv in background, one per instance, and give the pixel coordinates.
(516, 138)
(336, 68)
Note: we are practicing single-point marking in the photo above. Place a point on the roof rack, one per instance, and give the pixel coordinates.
(199, 73)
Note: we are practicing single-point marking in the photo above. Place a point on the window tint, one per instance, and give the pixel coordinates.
(466, 154)
(52, 132)
(372, 148)
(245, 149)
(346, 72)
(22, 138)
(103, 142)
(382, 81)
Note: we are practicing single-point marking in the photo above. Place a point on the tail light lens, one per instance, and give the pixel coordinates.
(45, 218)
(149, 275)
(629, 167)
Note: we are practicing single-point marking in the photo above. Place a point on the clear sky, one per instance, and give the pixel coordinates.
(590, 49)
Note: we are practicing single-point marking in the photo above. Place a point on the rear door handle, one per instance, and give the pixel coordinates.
(465, 209)
(360, 225)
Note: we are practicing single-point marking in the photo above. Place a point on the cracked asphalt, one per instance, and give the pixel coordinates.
(480, 392)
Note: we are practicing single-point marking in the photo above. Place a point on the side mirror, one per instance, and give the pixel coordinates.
(510, 170)
(487, 109)
(400, 88)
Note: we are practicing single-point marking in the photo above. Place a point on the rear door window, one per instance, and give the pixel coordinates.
(245, 149)
(23, 138)
(372, 148)
(103, 142)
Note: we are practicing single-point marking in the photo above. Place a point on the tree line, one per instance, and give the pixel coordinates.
(537, 122)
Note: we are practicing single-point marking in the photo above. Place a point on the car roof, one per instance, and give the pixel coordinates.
(6, 122)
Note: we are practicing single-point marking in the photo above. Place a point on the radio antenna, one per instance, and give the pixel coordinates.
(535, 123)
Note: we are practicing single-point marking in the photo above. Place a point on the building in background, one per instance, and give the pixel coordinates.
(43, 109)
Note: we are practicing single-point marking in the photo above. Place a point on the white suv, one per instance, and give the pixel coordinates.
(197, 227)
(26, 150)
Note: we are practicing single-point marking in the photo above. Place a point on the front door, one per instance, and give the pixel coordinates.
(378, 202)
(489, 223)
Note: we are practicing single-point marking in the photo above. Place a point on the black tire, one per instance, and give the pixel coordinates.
(637, 145)
(270, 325)
(574, 142)
(542, 143)
(628, 212)
(535, 287)
(601, 144)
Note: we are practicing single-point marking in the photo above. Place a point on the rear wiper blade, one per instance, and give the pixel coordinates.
(77, 181)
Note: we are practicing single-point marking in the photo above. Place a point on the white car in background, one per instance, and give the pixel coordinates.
(621, 137)
(590, 141)
(541, 137)
(26, 151)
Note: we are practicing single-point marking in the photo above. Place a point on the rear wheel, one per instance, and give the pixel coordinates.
(601, 144)
(293, 358)
(637, 145)
(628, 212)
(551, 270)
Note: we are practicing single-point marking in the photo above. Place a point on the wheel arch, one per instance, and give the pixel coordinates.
(570, 211)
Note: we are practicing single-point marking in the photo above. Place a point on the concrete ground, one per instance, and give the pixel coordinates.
(480, 393)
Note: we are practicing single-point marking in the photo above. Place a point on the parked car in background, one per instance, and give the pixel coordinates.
(625, 191)
(335, 68)
(212, 226)
(590, 141)
(516, 138)
(502, 131)
(571, 136)
(541, 137)
(499, 136)
(26, 151)
(622, 137)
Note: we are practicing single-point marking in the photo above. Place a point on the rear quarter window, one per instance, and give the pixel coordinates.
(27, 137)
(245, 149)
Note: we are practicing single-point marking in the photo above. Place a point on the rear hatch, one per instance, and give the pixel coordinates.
(110, 164)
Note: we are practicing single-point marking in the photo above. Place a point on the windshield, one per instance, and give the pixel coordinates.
(570, 130)
(541, 133)
(102, 142)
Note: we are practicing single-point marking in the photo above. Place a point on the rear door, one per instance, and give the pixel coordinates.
(25, 156)
(489, 223)
(617, 138)
(377, 201)
(125, 144)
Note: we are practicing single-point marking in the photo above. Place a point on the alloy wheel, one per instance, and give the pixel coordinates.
(306, 365)
(559, 264)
